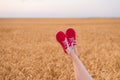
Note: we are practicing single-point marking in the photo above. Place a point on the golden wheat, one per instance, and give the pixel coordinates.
(29, 50)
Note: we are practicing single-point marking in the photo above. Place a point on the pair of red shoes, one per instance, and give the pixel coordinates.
(67, 40)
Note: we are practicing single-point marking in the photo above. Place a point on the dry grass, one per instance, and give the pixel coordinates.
(29, 50)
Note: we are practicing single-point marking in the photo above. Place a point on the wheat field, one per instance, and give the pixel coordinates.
(29, 50)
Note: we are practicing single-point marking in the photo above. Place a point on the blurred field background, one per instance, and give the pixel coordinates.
(29, 50)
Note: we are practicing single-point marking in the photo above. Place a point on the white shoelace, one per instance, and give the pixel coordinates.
(66, 44)
(72, 41)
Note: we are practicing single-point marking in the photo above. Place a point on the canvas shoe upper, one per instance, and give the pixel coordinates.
(71, 36)
(62, 39)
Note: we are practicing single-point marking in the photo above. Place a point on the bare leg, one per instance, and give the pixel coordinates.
(80, 71)
(75, 49)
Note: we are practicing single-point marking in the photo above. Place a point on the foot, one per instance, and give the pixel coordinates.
(62, 39)
(71, 36)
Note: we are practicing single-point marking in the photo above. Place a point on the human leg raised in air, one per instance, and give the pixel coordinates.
(68, 42)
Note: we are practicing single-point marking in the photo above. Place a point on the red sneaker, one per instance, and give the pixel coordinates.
(62, 39)
(71, 36)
